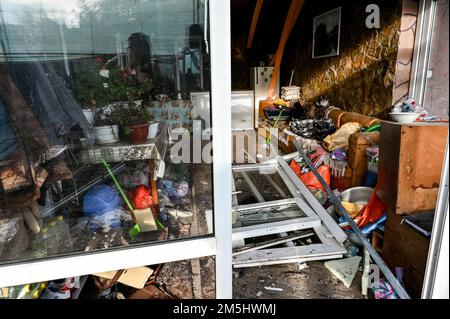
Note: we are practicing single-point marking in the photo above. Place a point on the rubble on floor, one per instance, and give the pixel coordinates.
(315, 282)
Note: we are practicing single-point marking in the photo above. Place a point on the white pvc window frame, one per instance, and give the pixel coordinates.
(219, 245)
(311, 220)
(436, 281)
(422, 49)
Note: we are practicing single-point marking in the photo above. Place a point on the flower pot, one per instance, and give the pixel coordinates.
(153, 130)
(137, 134)
(89, 115)
(106, 134)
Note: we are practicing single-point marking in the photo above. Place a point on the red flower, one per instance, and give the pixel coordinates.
(98, 59)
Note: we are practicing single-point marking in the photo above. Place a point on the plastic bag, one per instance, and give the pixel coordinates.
(296, 168)
(340, 138)
(101, 199)
(384, 289)
(176, 191)
(142, 198)
(107, 221)
(8, 229)
(133, 178)
(13, 237)
(309, 179)
(374, 210)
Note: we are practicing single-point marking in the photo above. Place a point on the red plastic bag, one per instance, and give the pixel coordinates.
(296, 168)
(309, 179)
(142, 198)
(374, 210)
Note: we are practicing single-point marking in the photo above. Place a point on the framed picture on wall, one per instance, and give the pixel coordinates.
(327, 34)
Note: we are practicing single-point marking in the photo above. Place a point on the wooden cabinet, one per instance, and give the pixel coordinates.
(410, 164)
(409, 173)
(406, 248)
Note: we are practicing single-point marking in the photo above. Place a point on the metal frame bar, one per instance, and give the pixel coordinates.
(266, 204)
(252, 186)
(95, 262)
(373, 253)
(220, 18)
(253, 167)
(436, 274)
(276, 167)
(274, 185)
(328, 247)
(286, 261)
(334, 228)
(290, 185)
(276, 242)
(310, 221)
(424, 35)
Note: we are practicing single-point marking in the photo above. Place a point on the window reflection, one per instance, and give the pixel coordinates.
(89, 93)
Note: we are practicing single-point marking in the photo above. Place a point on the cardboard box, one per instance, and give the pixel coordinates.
(133, 277)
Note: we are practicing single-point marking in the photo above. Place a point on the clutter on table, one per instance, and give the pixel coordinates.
(407, 111)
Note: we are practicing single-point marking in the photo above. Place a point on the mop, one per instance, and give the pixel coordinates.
(135, 230)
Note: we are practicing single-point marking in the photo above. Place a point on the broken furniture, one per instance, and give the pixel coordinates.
(410, 163)
(269, 199)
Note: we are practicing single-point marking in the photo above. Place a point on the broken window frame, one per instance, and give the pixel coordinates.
(331, 236)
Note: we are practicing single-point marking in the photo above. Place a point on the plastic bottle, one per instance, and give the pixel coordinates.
(54, 238)
(61, 233)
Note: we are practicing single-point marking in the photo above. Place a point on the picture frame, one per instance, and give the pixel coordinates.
(327, 34)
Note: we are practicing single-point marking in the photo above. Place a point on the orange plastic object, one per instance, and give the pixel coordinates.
(374, 210)
(309, 179)
(142, 198)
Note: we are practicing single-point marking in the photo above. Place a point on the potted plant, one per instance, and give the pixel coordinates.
(89, 91)
(114, 96)
(134, 120)
(130, 115)
(105, 130)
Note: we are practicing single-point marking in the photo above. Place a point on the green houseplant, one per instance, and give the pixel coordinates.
(134, 120)
(90, 90)
(131, 115)
(114, 95)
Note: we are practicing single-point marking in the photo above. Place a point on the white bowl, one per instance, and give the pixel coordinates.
(404, 117)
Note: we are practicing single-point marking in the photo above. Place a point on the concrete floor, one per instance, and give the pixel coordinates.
(315, 282)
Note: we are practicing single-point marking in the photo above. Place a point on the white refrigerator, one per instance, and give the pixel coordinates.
(260, 78)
